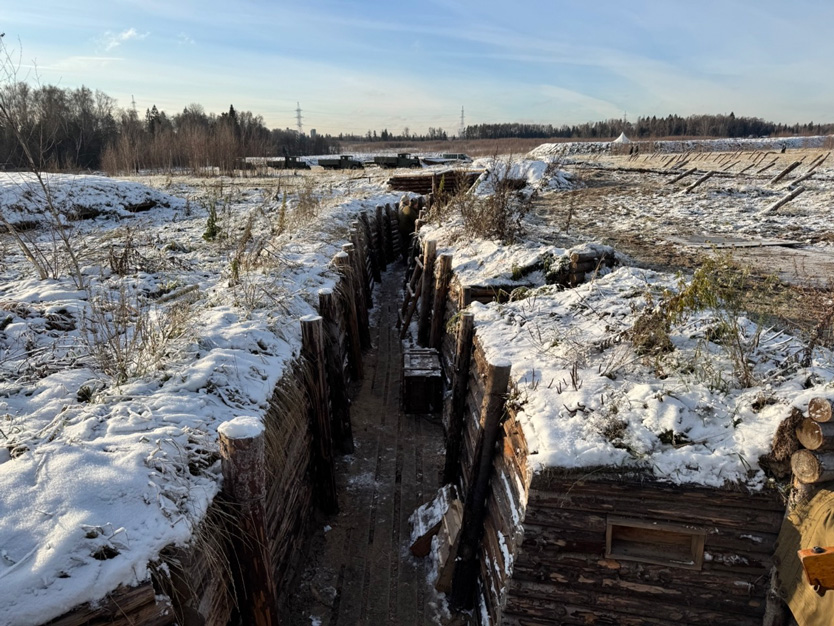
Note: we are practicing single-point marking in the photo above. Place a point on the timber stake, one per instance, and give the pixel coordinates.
(244, 484)
(312, 350)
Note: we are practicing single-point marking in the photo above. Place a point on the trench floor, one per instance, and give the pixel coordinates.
(359, 569)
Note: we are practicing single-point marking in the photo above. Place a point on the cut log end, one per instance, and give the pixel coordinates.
(819, 409)
(815, 435)
(811, 467)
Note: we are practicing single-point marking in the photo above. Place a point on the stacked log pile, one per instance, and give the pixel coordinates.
(814, 463)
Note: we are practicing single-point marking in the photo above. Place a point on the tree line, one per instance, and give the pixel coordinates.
(80, 129)
(650, 128)
(432, 134)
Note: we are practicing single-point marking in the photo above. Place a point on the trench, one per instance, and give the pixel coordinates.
(359, 569)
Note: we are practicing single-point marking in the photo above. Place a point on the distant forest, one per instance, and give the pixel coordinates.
(650, 128)
(81, 129)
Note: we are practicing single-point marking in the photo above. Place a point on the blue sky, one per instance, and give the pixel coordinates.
(355, 65)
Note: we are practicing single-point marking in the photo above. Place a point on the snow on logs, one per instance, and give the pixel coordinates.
(244, 483)
(815, 462)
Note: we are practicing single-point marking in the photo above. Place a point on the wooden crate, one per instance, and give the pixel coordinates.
(422, 381)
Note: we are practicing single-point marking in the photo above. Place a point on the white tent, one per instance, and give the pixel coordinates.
(622, 139)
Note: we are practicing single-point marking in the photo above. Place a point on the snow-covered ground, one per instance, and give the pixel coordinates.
(685, 145)
(111, 393)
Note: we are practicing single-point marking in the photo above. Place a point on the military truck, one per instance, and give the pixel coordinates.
(404, 159)
(288, 163)
(343, 162)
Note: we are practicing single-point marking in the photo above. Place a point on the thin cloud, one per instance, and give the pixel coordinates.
(184, 39)
(82, 63)
(114, 40)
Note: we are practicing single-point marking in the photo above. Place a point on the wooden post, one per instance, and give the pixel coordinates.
(768, 166)
(820, 162)
(364, 275)
(382, 243)
(785, 172)
(820, 409)
(782, 201)
(795, 183)
(460, 380)
(812, 467)
(244, 484)
(340, 424)
(688, 172)
(366, 226)
(354, 284)
(424, 322)
(465, 296)
(312, 350)
(441, 289)
(474, 510)
(701, 180)
(342, 261)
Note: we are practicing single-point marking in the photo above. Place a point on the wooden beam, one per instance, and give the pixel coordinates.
(460, 379)
(700, 181)
(465, 577)
(441, 290)
(785, 172)
(782, 201)
(679, 177)
(426, 301)
(801, 179)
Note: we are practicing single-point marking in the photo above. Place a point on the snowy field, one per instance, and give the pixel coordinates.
(112, 390)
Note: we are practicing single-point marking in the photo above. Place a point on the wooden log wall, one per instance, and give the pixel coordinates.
(194, 584)
(562, 573)
(510, 476)
(543, 551)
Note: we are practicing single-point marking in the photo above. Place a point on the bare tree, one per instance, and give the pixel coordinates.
(13, 111)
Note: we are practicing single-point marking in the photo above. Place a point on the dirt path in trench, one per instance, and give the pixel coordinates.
(359, 569)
